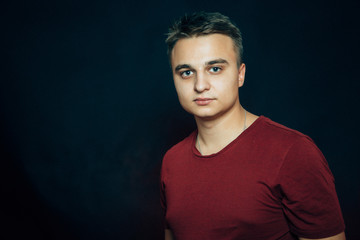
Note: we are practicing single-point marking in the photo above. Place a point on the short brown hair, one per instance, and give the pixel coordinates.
(204, 23)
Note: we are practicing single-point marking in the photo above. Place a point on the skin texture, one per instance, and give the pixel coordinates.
(195, 76)
(340, 236)
(169, 235)
(206, 68)
(207, 77)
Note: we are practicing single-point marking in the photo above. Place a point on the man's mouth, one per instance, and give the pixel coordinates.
(203, 101)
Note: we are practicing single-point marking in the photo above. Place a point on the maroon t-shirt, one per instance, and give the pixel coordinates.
(271, 182)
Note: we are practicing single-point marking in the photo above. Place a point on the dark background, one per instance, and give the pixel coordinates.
(88, 107)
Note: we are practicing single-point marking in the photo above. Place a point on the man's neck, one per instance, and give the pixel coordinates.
(215, 134)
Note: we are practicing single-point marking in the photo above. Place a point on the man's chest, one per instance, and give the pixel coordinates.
(232, 197)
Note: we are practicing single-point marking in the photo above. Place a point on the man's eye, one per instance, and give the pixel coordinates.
(186, 73)
(215, 69)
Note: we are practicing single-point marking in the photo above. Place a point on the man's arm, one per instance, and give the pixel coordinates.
(340, 236)
(170, 236)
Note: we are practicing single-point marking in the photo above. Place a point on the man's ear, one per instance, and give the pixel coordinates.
(241, 74)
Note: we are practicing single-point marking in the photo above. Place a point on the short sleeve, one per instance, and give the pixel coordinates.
(308, 194)
(163, 197)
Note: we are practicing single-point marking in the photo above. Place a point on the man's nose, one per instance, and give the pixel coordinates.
(201, 82)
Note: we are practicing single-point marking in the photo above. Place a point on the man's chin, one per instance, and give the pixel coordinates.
(205, 117)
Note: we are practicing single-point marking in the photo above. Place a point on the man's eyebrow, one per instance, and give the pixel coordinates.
(181, 66)
(212, 62)
(216, 61)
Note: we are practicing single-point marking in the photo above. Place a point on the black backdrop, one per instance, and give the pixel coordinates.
(88, 107)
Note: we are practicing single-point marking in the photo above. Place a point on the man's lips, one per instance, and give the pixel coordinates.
(203, 101)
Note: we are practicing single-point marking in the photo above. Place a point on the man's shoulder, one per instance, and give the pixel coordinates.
(181, 147)
(276, 130)
(272, 136)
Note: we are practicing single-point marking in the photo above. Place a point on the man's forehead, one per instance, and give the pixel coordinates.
(202, 49)
(205, 61)
(204, 37)
(204, 40)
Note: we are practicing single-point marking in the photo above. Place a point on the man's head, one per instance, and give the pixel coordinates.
(201, 24)
(205, 55)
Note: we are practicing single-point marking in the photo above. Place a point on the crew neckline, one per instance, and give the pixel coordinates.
(196, 152)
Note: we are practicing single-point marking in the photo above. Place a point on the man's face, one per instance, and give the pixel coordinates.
(206, 75)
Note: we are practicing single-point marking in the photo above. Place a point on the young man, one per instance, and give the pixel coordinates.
(238, 176)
